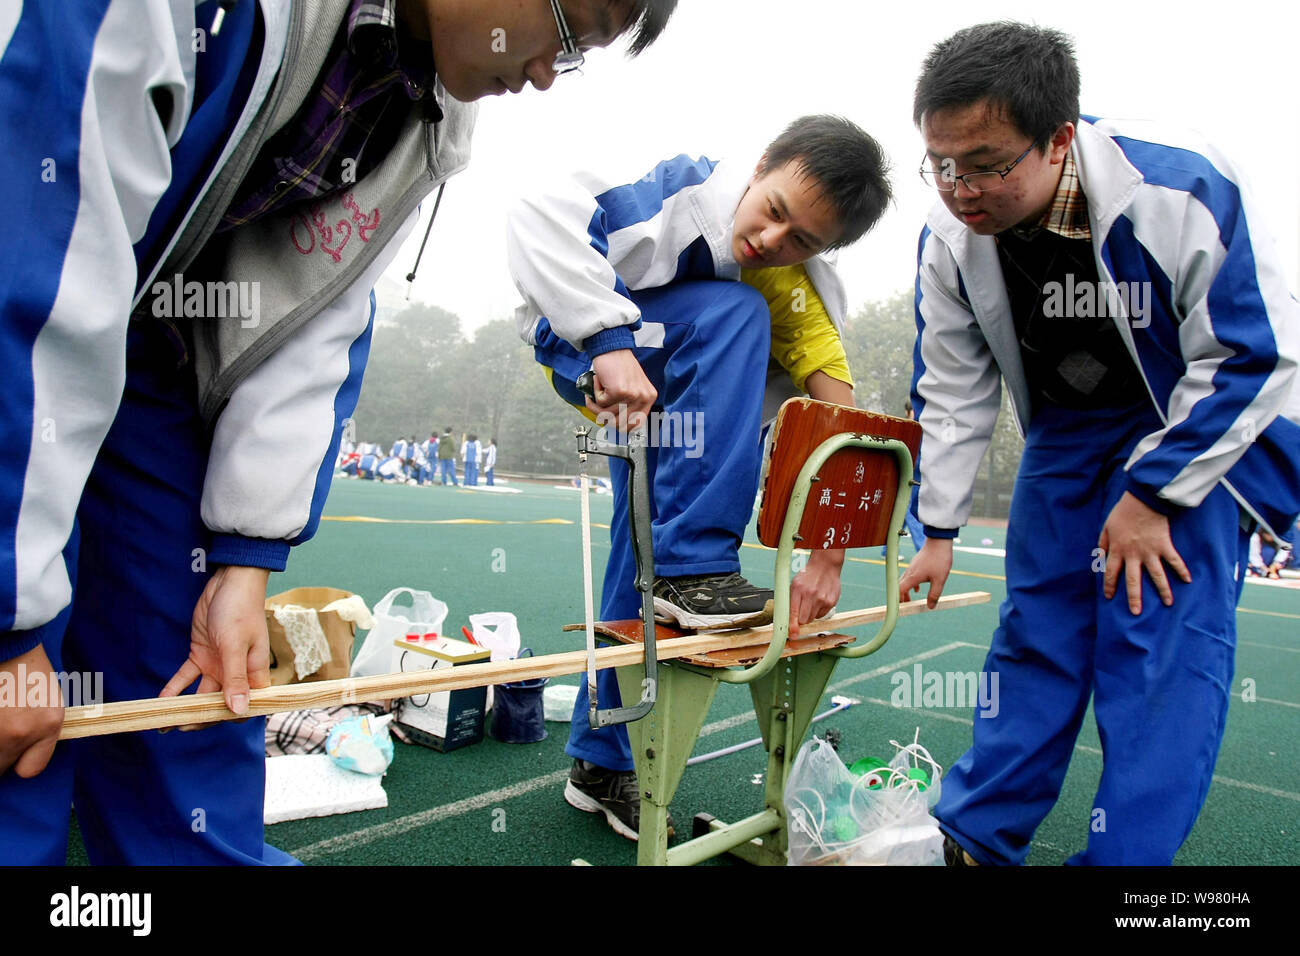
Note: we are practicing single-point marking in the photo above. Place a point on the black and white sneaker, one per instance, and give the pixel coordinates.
(718, 600)
(614, 793)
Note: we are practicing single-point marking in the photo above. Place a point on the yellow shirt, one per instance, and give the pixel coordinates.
(804, 339)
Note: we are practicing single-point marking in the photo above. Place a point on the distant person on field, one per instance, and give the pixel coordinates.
(447, 458)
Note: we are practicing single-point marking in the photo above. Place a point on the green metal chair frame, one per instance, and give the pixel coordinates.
(786, 692)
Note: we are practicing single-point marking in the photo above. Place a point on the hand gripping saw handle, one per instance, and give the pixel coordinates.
(638, 512)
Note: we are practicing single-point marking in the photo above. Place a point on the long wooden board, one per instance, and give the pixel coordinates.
(633, 632)
(155, 713)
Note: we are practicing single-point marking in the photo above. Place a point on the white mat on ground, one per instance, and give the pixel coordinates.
(499, 489)
(311, 785)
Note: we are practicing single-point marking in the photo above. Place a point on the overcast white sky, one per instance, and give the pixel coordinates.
(727, 75)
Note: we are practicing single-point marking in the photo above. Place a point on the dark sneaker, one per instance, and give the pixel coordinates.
(954, 855)
(711, 601)
(611, 792)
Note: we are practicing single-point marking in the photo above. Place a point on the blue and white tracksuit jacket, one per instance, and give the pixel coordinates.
(108, 142)
(577, 254)
(1218, 351)
(1217, 348)
(592, 261)
(119, 132)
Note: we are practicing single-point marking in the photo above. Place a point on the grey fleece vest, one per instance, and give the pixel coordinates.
(304, 256)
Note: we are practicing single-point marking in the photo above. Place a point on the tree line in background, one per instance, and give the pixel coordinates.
(425, 375)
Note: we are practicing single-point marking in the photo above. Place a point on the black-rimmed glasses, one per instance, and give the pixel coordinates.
(981, 181)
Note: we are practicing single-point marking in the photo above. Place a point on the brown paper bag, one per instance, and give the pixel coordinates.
(338, 632)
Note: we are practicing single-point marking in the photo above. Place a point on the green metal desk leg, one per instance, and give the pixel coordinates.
(661, 743)
(785, 702)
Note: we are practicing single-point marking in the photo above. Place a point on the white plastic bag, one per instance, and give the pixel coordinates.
(424, 614)
(835, 819)
(498, 631)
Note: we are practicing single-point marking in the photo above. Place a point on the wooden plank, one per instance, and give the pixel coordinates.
(123, 716)
(632, 632)
(736, 656)
(873, 615)
(627, 631)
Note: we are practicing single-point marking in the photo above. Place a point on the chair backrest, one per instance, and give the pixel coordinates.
(851, 505)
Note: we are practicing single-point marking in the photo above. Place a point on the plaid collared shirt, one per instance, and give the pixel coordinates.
(1068, 214)
(347, 126)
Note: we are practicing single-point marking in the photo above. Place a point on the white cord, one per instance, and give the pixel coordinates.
(841, 703)
(586, 588)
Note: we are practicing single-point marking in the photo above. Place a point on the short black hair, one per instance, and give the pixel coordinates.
(646, 20)
(1029, 71)
(852, 168)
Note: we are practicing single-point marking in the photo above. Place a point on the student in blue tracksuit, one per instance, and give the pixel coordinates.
(420, 468)
(172, 163)
(1114, 277)
(427, 459)
(1267, 557)
(362, 467)
(469, 452)
(639, 282)
(391, 469)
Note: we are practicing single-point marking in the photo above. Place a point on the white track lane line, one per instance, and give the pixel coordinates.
(413, 821)
(383, 831)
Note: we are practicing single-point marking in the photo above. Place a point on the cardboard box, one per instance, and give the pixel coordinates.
(447, 720)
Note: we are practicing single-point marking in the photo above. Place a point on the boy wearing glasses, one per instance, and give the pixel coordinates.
(639, 283)
(1112, 276)
(234, 176)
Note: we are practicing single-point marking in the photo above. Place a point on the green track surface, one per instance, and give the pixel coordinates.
(494, 803)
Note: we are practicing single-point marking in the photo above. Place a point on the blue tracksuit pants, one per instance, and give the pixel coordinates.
(706, 352)
(1159, 681)
(137, 565)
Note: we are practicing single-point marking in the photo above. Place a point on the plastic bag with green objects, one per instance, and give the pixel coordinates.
(877, 819)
